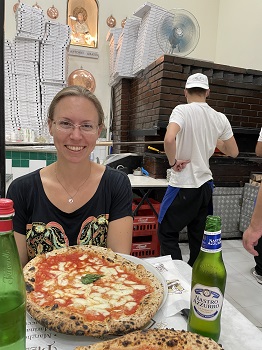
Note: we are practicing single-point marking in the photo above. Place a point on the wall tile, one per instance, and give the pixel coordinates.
(41, 155)
(33, 155)
(25, 163)
(8, 166)
(24, 155)
(8, 154)
(36, 164)
(16, 155)
(17, 172)
(16, 163)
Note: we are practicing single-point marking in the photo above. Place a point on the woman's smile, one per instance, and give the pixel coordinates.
(75, 148)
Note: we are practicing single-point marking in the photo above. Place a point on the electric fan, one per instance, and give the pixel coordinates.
(177, 32)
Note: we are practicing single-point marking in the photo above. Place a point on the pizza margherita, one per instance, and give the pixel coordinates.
(92, 291)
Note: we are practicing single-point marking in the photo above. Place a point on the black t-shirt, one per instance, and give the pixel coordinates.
(47, 227)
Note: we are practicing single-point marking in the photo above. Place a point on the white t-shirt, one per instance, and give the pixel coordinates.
(260, 136)
(200, 128)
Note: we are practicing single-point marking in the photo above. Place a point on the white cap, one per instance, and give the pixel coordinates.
(197, 80)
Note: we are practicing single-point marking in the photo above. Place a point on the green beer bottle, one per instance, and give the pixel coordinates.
(12, 285)
(208, 283)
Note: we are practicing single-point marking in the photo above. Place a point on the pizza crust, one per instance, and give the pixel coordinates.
(59, 319)
(156, 339)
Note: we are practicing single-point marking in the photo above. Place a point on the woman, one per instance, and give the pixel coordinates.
(72, 201)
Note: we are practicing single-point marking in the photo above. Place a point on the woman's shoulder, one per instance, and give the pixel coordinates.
(27, 178)
(115, 174)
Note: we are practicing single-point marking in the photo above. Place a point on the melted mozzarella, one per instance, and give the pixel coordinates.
(114, 292)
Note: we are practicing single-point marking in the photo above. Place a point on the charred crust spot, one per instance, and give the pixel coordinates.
(29, 287)
(32, 268)
(79, 332)
(85, 326)
(126, 343)
(45, 322)
(110, 260)
(72, 317)
(172, 343)
(198, 341)
(32, 279)
(59, 327)
(54, 307)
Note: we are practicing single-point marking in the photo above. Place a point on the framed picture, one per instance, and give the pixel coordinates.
(82, 17)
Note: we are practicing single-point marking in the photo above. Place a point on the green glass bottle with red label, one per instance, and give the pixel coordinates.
(12, 285)
(208, 283)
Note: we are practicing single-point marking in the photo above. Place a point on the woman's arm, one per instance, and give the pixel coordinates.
(21, 246)
(119, 236)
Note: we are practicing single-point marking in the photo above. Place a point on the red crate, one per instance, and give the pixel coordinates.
(145, 242)
(145, 209)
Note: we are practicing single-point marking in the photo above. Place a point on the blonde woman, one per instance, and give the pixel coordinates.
(74, 200)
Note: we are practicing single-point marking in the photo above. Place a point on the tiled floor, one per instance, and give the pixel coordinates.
(242, 290)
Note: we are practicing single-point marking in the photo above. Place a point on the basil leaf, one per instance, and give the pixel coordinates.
(90, 278)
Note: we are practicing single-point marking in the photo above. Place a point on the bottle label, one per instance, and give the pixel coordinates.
(206, 302)
(211, 242)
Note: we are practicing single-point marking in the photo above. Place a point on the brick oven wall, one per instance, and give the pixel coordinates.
(142, 105)
(121, 119)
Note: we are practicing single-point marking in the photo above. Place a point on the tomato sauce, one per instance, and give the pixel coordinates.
(48, 288)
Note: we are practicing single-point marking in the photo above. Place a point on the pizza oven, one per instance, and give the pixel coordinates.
(235, 172)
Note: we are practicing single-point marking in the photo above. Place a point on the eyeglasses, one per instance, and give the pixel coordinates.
(68, 127)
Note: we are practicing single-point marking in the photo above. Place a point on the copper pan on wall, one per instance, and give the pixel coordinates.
(83, 78)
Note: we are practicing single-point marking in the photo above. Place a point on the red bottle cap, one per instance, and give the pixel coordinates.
(6, 206)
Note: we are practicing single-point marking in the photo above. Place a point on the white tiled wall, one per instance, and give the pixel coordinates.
(100, 152)
(19, 171)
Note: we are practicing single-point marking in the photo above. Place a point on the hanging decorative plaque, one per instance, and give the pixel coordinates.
(16, 6)
(52, 12)
(111, 21)
(123, 22)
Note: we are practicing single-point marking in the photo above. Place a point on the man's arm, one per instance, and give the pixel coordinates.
(228, 147)
(170, 141)
(170, 148)
(254, 231)
(259, 149)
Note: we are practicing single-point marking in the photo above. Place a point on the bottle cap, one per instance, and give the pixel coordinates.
(6, 206)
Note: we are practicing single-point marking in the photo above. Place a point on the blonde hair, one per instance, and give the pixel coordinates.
(80, 91)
